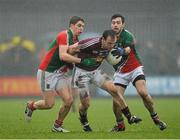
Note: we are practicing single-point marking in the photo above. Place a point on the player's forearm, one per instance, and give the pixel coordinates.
(69, 58)
(73, 49)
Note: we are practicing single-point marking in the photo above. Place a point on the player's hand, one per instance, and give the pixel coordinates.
(118, 51)
(88, 61)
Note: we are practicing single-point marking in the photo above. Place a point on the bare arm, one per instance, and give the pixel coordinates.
(73, 49)
(65, 56)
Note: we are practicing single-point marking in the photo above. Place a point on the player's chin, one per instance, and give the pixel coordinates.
(116, 30)
(79, 33)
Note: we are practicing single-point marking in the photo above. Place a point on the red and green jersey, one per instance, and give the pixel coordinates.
(51, 62)
(131, 61)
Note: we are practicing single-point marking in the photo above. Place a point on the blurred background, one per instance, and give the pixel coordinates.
(27, 27)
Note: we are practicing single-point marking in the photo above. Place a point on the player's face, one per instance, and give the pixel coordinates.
(108, 43)
(78, 28)
(117, 25)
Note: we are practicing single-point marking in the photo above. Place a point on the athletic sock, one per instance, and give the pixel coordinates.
(119, 119)
(120, 122)
(83, 118)
(154, 115)
(126, 112)
(155, 118)
(58, 123)
(121, 125)
(31, 106)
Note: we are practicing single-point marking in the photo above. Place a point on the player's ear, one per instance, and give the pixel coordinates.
(102, 40)
(71, 26)
(123, 25)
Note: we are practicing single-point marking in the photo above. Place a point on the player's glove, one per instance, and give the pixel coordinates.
(88, 61)
(118, 51)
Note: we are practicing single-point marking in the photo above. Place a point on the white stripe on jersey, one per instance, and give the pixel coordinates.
(89, 43)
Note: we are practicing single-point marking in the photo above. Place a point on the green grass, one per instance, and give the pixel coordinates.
(13, 125)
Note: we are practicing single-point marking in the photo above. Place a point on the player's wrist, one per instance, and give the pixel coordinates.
(118, 51)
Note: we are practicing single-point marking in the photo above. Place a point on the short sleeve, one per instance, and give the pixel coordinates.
(62, 38)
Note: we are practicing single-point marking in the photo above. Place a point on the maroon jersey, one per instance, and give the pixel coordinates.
(91, 48)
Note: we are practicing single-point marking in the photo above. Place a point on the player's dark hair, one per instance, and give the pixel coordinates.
(118, 16)
(110, 33)
(75, 19)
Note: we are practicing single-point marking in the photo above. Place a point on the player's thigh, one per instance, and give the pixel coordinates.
(109, 86)
(122, 79)
(121, 89)
(64, 89)
(75, 92)
(141, 87)
(139, 81)
(113, 89)
(66, 95)
(47, 80)
(49, 97)
(101, 79)
(81, 78)
(137, 74)
(47, 86)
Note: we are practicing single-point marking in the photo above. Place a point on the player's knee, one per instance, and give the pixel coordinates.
(85, 104)
(114, 94)
(114, 103)
(110, 87)
(49, 105)
(143, 92)
(68, 102)
(144, 96)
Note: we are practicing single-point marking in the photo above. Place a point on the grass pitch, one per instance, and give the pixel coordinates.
(13, 125)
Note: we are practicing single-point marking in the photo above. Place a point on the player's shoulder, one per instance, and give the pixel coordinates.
(128, 33)
(91, 40)
(62, 33)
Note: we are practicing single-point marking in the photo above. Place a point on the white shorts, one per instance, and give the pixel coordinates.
(53, 81)
(126, 78)
(82, 78)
